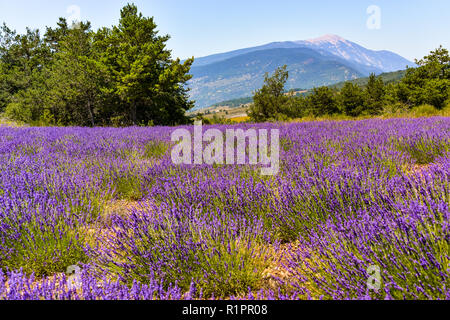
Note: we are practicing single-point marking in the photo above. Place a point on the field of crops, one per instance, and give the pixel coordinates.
(352, 199)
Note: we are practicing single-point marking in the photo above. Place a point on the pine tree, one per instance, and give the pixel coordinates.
(268, 101)
(352, 99)
(429, 83)
(22, 60)
(76, 79)
(374, 95)
(323, 101)
(147, 85)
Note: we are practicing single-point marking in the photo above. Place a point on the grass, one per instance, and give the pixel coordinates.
(127, 186)
(9, 123)
(425, 150)
(44, 250)
(155, 149)
(390, 112)
(240, 119)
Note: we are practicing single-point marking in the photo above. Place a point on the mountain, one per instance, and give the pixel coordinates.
(241, 75)
(316, 62)
(380, 61)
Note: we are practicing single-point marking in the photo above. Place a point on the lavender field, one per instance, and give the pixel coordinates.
(352, 199)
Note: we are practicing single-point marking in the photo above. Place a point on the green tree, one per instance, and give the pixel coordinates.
(76, 79)
(22, 59)
(54, 36)
(268, 101)
(146, 84)
(323, 101)
(429, 83)
(352, 99)
(73, 76)
(297, 106)
(374, 95)
(436, 65)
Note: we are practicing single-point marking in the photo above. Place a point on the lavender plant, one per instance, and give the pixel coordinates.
(351, 197)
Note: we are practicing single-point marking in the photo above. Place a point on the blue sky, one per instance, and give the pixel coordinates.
(202, 27)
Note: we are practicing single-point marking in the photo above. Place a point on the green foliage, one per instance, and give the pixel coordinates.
(22, 60)
(220, 120)
(429, 83)
(73, 76)
(147, 83)
(387, 95)
(388, 78)
(352, 99)
(214, 120)
(74, 80)
(323, 101)
(270, 99)
(128, 188)
(296, 107)
(375, 94)
(425, 110)
(395, 109)
(125, 185)
(155, 150)
(234, 103)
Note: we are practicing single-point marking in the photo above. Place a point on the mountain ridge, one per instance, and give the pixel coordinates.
(320, 61)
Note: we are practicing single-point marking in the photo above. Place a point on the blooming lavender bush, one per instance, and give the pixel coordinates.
(351, 197)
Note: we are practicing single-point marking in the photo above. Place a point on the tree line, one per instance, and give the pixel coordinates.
(428, 84)
(72, 75)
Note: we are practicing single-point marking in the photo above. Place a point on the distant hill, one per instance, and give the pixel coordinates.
(311, 63)
(234, 103)
(388, 77)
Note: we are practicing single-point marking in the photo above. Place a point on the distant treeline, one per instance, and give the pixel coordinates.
(428, 84)
(388, 77)
(234, 103)
(121, 76)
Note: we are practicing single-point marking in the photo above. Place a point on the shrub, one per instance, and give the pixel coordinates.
(155, 150)
(128, 187)
(425, 110)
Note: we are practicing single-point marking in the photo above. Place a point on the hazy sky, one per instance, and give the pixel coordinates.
(201, 27)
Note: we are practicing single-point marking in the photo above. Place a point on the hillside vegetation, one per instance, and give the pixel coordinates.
(427, 86)
(388, 77)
